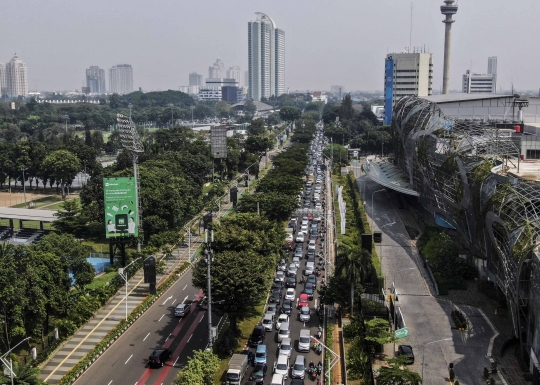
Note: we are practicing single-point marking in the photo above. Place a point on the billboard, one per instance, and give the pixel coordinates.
(120, 202)
(388, 89)
(218, 142)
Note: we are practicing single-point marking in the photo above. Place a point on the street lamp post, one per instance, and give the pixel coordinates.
(192, 108)
(9, 365)
(172, 105)
(209, 239)
(395, 296)
(335, 359)
(121, 272)
(375, 192)
(424, 351)
(130, 106)
(24, 185)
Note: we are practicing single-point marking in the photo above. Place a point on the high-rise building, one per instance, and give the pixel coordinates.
(95, 80)
(478, 83)
(406, 74)
(16, 78)
(217, 70)
(337, 90)
(195, 79)
(121, 79)
(492, 70)
(234, 73)
(3, 86)
(266, 55)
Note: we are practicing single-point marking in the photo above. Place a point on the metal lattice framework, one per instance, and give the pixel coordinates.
(458, 167)
(129, 137)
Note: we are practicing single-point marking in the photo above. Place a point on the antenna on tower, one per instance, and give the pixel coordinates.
(410, 33)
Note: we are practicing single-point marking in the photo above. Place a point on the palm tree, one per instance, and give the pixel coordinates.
(355, 264)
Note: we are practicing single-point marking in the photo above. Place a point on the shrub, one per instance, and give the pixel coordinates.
(459, 319)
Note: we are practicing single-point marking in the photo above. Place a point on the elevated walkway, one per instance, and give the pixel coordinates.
(388, 175)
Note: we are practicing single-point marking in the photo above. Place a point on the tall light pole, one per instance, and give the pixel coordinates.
(209, 239)
(375, 192)
(121, 272)
(192, 108)
(424, 351)
(9, 365)
(24, 185)
(172, 105)
(130, 106)
(395, 296)
(132, 144)
(335, 359)
(65, 118)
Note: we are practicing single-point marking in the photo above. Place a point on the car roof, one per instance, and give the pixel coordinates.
(406, 348)
(283, 358)
(261, 348)
(304, 308)
(180, 305)
(286, 341)
(303, 296)
(300, 359)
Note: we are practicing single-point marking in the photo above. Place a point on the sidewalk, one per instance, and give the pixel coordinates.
(110, 315)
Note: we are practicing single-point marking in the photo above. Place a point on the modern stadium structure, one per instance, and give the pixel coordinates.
(467, 173)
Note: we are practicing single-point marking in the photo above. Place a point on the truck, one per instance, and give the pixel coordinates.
(237, 368)
(289, 239)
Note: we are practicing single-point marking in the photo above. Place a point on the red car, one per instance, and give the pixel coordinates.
(303, 300)
(310, 217)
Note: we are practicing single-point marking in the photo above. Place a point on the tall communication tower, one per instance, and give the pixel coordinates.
(449, 9)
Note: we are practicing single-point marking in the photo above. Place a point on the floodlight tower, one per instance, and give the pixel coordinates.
(449, 9)
(133, 146)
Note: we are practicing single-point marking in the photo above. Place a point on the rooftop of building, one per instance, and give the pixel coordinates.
(259, 105)
(388, 175)
(462, 97)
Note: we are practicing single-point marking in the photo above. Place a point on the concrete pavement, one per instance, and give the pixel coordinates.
(427, 318)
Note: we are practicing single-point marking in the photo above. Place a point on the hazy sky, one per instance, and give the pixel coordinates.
(327, 42)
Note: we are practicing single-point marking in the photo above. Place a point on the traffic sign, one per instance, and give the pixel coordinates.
(401, 333)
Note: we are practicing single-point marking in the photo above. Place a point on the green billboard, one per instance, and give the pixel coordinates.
(120, 201)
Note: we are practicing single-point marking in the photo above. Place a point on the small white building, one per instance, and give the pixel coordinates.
(318, 96)
(479, 83)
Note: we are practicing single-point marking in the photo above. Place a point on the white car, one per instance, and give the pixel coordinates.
(304, 229)
(300, 237)
(282, 318)
(293, 268)
(312, 245)
(296, 261)
(280, 276)
(318, 206)
(285, 348)
(290, 294)
(281, 366)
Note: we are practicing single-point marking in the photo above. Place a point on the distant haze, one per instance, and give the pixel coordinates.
(327, 42)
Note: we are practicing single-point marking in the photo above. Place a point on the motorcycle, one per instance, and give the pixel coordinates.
(319, 349)
(319, 368)
(315, 346)
(312, 374)
(319, 332)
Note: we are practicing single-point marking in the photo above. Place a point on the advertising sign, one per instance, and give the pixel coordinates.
(218, 142)
(388, 90)
(120, 201)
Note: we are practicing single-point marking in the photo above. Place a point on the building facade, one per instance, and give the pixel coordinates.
(406, 74)
(217, 70)
(231, 94)
(492, 65)
(16, 78)
(3, 87)
(478, 83)
(195, 79)
(266, 58)
(235, 73)
(95, 80)
(213, 88)
(121, 79)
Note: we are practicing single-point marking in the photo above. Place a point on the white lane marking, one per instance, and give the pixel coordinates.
(161, 317)
(146, 337)
(201, 318)
(189, 339)
(173, 301)
(176, 360)
(168, 298)
(184, 287)
(109, 383)
(169, 335)
(185, 298)
(128, 359)
(315, 303)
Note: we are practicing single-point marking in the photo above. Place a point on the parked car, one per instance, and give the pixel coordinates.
(281, 366)
(300, 237)
(305, 314)
(280, 276)
(272, 308)
(312, 245)
(268, 321)
(261, 354)
(182, 309)
(309, 289)
(312, 279)
(406, 350)
(275, 296)
(291, 271)
(282, 318)
(296, 259)
(258, 335)
(159, 357)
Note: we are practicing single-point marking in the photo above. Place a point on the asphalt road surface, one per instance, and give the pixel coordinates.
(125, 361)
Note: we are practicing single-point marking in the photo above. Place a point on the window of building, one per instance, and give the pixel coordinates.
(533, 154)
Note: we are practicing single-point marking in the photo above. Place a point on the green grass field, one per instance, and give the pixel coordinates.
(102, 280)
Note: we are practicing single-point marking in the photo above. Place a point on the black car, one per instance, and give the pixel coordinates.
(312, 279)
(286, 307)
(310, 254)
(277, 285)
(159, 357)
(309, 288)
(250, 354)
(313, 236)
(259, 372)
(275, 296)
(257, 337)
(296, 381)
(291, 282)
(406, 350)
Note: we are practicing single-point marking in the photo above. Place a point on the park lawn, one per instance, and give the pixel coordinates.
(206, 188)
(58, 205)
(39, 202)
(102, 280)
(97, 246)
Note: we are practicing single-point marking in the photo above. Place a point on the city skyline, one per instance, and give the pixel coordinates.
(325, 32)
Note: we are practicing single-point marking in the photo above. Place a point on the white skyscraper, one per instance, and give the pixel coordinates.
(492, 70)
(121, 79)
(234, 73)
(266, 55)
(95, 80)
(217, 70)
(16, 78)
(3, 87)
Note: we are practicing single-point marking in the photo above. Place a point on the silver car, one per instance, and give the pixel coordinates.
(285, 348)
(298, 370)
(305, 314)
(181, 309)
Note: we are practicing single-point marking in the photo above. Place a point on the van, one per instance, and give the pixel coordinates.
(304, 342)
(268, 321)
(261, 355)
(277, 379)
(284, 331)
(310, 267)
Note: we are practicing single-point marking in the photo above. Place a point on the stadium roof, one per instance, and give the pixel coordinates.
(28, 214)
(462, 97)
(259, 105)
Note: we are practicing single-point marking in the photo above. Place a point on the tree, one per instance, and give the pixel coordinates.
(337, 152)
(257, 144)
(257, 127)
(69, 219)
(249, 108)
(378, 331)
(355, 264)
(398, 373)
(199, 369)
(63, 166)
(346, 112)
(290, 113)
(358, 361)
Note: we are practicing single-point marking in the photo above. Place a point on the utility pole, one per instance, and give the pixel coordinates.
(209, 239)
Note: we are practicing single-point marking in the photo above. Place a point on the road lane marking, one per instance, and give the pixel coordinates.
(201, 319)
(184, 287)
(173, 301)
(146, 337)
(168, 298)
(187, 296)
(175, 361)
(161, 317)
(128, 359)
(109, 382)
(168, 336)
(189, 339)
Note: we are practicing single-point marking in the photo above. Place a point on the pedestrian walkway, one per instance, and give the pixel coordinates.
(338, 376)
(110, 315)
